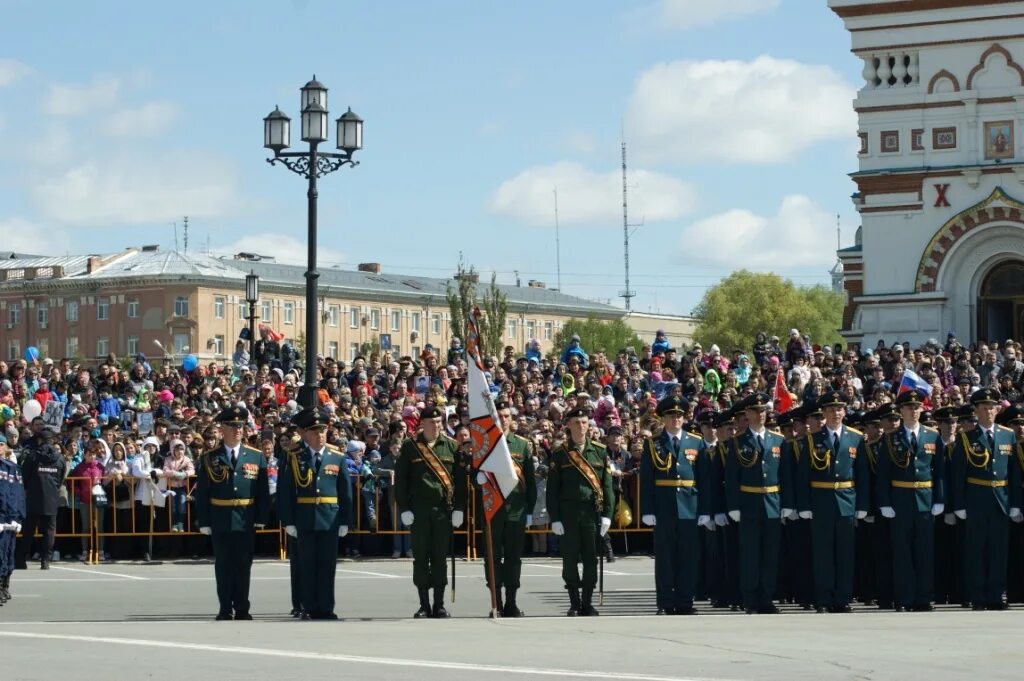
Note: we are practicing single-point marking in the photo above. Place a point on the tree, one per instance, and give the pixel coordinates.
(493, 306)
(597, 335)
(733, 311)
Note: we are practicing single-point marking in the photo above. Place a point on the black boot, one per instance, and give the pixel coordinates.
(439, 611)
(574, 603)
(588, 610)
(498, 601)
(424, 610)
(511, 609)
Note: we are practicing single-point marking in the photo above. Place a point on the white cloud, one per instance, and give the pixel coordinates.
(148, 120)
(285, 249)
(585, 196)
(580, 141)
(800, 234)
(21, 236)
(76, 100)
(685, 14)
(764, 111)
(12, 71)
(129, 190)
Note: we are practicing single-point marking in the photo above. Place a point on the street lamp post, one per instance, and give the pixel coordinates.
(252, 295)
(312, 164)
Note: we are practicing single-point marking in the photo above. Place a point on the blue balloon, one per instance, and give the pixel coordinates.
(190, 362)
(31, 354)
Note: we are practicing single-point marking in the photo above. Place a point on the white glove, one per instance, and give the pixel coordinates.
(950, 518)
(870, 519)
(805, 515)
(1016, 516)
(937, 509)
(734, 516)
(793, 515)
(16, 526)
(649, 520)
(170, 493)
(342, 530)
(205, 530)
(481, 477)
(706, 522)
(407, 518)
(259, 526)
(529, 520)
(962, 514)
(721, 520)
(888, 512)
(606, 523)
(558, 528)
(6, 526)
(291, 531)
(860, 515)
(788, 512)
(457, 518)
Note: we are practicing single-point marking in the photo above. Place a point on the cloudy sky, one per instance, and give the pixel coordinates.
(119, 118)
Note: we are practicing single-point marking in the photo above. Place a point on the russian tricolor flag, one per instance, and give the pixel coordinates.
(912, 381)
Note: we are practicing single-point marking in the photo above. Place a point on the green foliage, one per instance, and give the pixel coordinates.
(734, 310)
(598, 335)
(493, 306)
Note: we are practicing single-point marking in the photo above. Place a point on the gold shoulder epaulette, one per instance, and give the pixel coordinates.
(775, 432)
(598, 444)
(854, 431)
(1009, 430)
(332, 448)
(929, 430)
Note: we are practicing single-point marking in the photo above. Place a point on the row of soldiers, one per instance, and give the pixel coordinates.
(821, 488)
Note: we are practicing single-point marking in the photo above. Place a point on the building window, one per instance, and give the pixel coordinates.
(548, 329)
(102, 309)
(266, 312)
(396, 320)
(218, 345)
(243, 309)
(332, 349)
(181, 306)
(102, 346)
(531, 330)
(133, 308)
(375, 319)
(435, 323)
(13, 314)
(353, 351)
(71, 312)
(396, 352)
(511, 330)
(43, 345)
(43, 315)
(353, 317)
(289, 312)
(13, 349)
(218, 307)
(917, 139)
(332, 315)
(133, 346)
(863, 142)
(181, 343)
(890, 141)
(416, 352)
(71, 346)
(415, 322)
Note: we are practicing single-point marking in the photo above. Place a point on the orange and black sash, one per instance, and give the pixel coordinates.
(581, 464)
(438, 469)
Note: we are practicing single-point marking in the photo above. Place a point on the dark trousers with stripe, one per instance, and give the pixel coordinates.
(431, 539)
(759, 559)
(318, 564)
(232, 566)
(731, 593)
(881, 551)
(913, 557)
(675, 562)
(295, 577)
(832, 547)
(985, 544)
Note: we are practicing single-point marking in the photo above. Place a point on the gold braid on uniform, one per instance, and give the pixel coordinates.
(818, 463)
(214, 477)
(872, 458)
(746, 463)
(902, 463)
(300, 481)
(659, 463)
(972, 457)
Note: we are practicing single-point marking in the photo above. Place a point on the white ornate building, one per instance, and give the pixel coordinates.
(941, 176)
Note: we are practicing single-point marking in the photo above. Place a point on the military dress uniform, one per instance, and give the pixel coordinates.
(671, 475)
(314, 496)
(829, 479)
(430, 482)
(979, 485)
(580, 492)
(232, 498)
(1013, 417)
(910, 486)
(799, 528)
(12, 514)
(752, 490)
(727, 530)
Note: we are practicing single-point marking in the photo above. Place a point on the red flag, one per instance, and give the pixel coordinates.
(782, 399)
(275, 336)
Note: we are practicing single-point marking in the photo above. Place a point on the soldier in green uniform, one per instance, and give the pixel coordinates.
(979, 492)
(910, 492)
(232, 500)
(314, 502)
(671, 475)
(830, 478)
(752, 496)
(508, 526)
(430, 491)
(579, 492)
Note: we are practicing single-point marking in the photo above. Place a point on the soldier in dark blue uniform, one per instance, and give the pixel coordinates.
(752, 496)
(910, 492)
(948, 565)
(1013, 418)
(981, 495)
(314, 502)
(712, 546)
(671, 474)
(12, 513)
(725, 430)
(232, 500)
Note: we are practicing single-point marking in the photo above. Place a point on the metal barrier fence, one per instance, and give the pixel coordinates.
(159, 520)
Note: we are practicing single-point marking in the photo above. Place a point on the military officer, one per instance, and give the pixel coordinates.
(752, 496)
(910, 492)
(232, 500)
(580, 502)
(948, 565)
(712, 547)
(829, 478)
(430, 491)
(725, 430)
(1013, 417)
(980, 495)
(671, 474)
(508, 526)
(314, 502)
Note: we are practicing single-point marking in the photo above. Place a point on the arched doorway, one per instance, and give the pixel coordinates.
(1001, 302)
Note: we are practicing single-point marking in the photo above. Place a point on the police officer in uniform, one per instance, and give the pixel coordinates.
(12, 513)
(430, 491)
(671, 473)
(232, 500)
(910, 492)
(579, 493)
(979, 491)
(314, 503)
(752, 496)
(43, 473)
(508, 526)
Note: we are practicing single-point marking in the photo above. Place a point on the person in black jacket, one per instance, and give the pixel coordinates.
(43, 471)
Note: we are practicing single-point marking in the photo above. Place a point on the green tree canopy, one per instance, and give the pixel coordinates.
(734, 310)
(493, 306)
(597, 335)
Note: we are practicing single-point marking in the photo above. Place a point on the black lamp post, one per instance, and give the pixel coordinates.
(311, 165)
(252, 295)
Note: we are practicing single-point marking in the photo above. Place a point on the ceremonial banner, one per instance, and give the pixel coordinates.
(782, 400)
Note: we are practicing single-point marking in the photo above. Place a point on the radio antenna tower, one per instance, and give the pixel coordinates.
(558, 245)
(628, 294)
